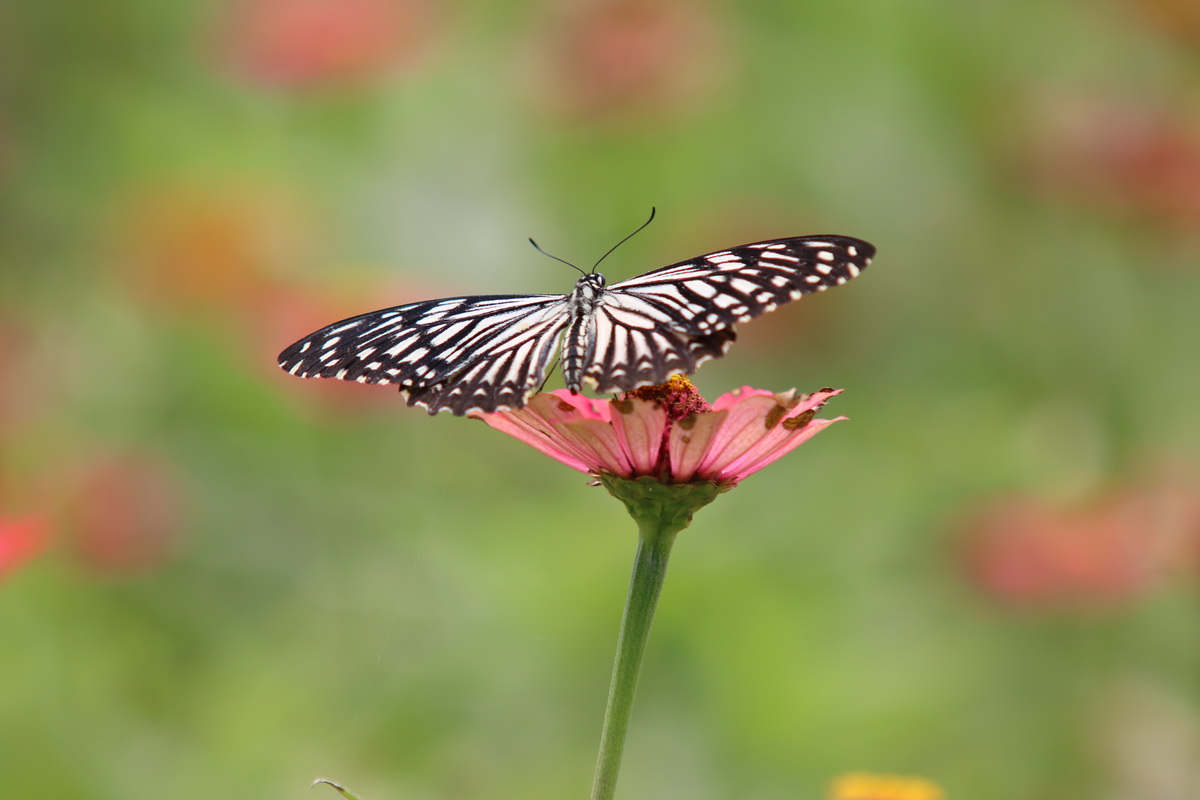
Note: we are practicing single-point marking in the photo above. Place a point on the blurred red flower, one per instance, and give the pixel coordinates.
(125, 514)
(1127, 157)
(307, 43)
(206, 246)
(609, 57)
(20, 540)
(1026, 553)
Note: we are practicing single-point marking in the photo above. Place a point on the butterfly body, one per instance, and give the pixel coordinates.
(491, 352)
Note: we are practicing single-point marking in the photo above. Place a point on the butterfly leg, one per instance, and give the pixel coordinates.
(549, 372)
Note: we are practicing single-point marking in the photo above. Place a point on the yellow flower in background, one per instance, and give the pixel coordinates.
(865, 786)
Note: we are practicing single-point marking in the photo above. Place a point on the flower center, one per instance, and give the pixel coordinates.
(678, 397)
(682, 402)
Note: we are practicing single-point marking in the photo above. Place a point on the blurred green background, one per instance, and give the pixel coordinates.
(220, 581)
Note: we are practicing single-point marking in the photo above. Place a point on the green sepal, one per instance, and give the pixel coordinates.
(666, 508)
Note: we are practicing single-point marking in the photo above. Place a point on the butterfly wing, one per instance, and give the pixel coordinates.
(460, 353)
(630, 348)
(675, 318)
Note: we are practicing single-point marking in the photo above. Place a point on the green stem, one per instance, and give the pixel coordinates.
(661, 511)
(649, 570)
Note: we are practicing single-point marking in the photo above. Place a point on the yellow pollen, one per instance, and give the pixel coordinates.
(674, 385)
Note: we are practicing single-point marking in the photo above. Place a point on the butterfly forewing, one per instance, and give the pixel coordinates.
(711, 292)
(424, 343)
(675, 318)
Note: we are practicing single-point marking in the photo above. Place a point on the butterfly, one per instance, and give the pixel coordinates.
(490, 352)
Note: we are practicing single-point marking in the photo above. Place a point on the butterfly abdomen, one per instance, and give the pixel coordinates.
(581, 306)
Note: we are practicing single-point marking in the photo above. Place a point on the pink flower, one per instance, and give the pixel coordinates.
(20, 540)
(1027, 553)
(631, 59)
(313, 43)
(667, 432)
(127, 513)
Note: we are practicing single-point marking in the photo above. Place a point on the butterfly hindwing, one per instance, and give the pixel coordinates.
(629, 348)
(502, 374)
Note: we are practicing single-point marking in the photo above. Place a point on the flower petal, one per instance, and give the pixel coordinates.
(759, 423)
(760, 457)
(731, 399)
(589, 407)
(781, 427)
(600, 442)
(533, 431)
(538, 425)
(689, 443)
(639, 425)
(745, 424)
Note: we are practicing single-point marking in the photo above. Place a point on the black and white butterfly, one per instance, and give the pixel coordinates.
(491, 352)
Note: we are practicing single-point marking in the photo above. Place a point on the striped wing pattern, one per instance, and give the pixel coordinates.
(675, 318)
(458, 353)
(631, 348)
(491, 352)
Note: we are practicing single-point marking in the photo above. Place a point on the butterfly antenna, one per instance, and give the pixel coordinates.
(627, 238)
(556, 258)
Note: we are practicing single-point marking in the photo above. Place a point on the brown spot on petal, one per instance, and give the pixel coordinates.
(688, 422)
(800, 420)
(773, 416)
(565, 407)
(624, 405)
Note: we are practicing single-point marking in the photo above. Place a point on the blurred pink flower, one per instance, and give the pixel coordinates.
(306, 43)
(632, 57)
(1028, 554)
(667, 432)
(20, 540)
(125, 514)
